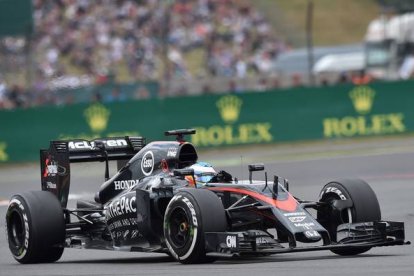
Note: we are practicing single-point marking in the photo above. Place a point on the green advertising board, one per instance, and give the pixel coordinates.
(220, 120)
(16, 17)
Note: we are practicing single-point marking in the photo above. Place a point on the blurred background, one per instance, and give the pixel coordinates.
(318, 90)
(64, 53)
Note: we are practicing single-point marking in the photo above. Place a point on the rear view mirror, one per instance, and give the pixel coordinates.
(254, 168)
(183, 172)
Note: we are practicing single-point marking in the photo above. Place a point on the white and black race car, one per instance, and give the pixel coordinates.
(154, 204)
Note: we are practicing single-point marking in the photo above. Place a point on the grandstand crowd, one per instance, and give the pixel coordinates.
(85, 42)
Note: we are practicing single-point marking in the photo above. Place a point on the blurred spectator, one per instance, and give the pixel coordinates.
(323, 79)
(343, 78)
(262, 85)
(178, 64)
(142, 93)
(275, 83)
(18, 97)
(78, 43)
(241, 68)
(235, 87)
(115, 96)
(3, 98)
(297, 80)
(96, 97)
(361, 78)
(206, 89)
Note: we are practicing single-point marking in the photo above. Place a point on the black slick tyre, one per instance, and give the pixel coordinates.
(35, 227)
(189, 215)
(365, 208)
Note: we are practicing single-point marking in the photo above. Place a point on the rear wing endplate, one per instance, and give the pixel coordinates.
(55, 161)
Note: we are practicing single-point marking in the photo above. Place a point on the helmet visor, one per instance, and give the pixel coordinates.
(204, 177)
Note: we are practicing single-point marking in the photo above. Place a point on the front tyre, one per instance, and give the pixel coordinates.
(35, 227)
(189, 215)
(365, 208)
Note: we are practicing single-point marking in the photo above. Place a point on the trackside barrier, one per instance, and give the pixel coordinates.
(220, 120)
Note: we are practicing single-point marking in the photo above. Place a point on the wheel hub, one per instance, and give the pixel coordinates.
(179, 228)
(16, 229)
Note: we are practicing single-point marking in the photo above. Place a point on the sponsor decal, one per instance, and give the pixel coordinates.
(125, 234)
(294, 214)
(3, 154)
(50, 185)
(262, 240)
(109, 143)
(296, 219)
(312, 234)
(333, 190)
(172, 152)
(231, 241)
(89, 136)
(26, 230)
(164, 166)
(125, 184)
(135, 234)
(115, 225)
(362, 98)
(121, 206)
(306, 225)
(231, 133)
(52, 168)
(147, 163)
(192, 210)
(123, 222)
(229, 108)
(97, 116)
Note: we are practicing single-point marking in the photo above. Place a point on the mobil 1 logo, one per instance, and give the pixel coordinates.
(147, 163)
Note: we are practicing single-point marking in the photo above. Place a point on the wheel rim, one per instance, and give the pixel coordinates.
(16, 230)
(180, 228)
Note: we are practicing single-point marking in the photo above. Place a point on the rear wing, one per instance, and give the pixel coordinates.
(55, 161)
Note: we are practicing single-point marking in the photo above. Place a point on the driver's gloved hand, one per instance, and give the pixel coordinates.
(222, 176)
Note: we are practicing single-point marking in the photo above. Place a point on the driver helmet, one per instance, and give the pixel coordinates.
(203, 173)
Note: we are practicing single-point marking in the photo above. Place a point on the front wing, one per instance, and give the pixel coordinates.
(350, 235)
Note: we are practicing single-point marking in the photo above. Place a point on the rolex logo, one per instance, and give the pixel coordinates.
(229, 108)
(97, 117)
(362, 98)
(3, 154)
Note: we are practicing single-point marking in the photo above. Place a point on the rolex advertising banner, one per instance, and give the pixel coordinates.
(220, 120)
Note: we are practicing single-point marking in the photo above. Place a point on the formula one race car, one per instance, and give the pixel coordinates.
(159, 202)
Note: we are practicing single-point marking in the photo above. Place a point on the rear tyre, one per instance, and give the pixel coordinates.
(189, 215)
(35, 227)
(365, 208)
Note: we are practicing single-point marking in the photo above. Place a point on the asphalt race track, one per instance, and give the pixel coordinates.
(387, 164)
